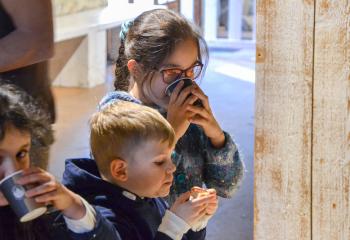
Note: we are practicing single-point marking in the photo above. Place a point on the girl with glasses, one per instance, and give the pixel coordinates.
(157, 48)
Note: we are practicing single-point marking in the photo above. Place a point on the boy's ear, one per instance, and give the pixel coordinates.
(118, 170)
(134, 69)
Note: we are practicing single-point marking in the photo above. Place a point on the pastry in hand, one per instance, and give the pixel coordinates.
(197, 192)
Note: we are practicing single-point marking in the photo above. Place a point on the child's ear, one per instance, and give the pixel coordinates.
(118, 170)
(134, 69)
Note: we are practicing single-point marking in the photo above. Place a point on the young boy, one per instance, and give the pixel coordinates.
(132, 171)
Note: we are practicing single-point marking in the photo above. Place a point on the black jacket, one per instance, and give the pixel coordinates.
(51, 226)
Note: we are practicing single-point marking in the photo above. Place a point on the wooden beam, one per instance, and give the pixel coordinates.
(331, 125)
(284, 65)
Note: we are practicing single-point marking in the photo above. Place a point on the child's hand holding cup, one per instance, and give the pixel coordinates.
(25, 208)
(187, 82)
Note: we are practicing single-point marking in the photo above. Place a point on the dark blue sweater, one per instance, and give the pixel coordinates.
(50, 226)
(133, 219)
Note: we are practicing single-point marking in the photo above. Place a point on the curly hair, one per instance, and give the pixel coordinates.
(20, 110)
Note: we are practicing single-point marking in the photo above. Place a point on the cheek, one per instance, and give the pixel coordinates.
(8, 167)
(158, 86)
(25, 163)
(153, 178)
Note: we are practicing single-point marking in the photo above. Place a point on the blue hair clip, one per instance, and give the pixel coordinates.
(125, 28)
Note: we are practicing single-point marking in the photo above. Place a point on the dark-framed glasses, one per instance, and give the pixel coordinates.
(171, 74)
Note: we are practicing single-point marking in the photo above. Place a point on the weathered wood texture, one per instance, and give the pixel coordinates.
(331, 122)
(282, 204)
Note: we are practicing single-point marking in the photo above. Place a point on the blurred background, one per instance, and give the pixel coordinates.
(82, 71)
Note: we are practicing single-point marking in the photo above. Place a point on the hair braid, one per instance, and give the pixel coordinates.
(121, 82)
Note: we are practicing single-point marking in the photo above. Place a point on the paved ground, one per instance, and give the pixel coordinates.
(229, 83)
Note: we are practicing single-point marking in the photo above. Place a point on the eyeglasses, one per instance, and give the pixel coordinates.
(171, 74)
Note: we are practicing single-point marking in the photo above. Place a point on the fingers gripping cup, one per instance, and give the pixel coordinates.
(25, 208)
(187, 82)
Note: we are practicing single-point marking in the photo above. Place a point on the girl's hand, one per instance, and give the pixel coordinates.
(47, 190)
(3, 201)
(190, 211)
(203, 116)
(177, 115)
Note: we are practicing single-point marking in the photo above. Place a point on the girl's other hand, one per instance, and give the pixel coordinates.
(203, 116)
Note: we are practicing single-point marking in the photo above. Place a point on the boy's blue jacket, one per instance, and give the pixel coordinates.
(133, 219)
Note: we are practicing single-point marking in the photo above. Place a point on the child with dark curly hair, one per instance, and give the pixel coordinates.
(25, 138)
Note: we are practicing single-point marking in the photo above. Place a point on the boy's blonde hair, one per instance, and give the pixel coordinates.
(121, 127)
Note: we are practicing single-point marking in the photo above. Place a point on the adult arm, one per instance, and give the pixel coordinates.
(32, 39)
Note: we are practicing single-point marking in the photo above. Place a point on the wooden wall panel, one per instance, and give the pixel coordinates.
(331, 124)
(284, 65)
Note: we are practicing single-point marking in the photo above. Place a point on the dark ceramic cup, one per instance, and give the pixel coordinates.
(25, 208)
(187, 82)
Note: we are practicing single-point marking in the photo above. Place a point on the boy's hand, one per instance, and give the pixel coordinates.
(213, 202)
(190, 211)
(47, 190)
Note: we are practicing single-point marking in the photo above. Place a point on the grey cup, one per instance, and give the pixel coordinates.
(187, 82)
(25, 208)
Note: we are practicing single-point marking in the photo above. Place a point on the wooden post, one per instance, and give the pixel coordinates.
(284, 65)
(302, 155)
(331, 122)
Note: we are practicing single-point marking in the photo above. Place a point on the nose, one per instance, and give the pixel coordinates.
(188, 75)
(9, 165)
